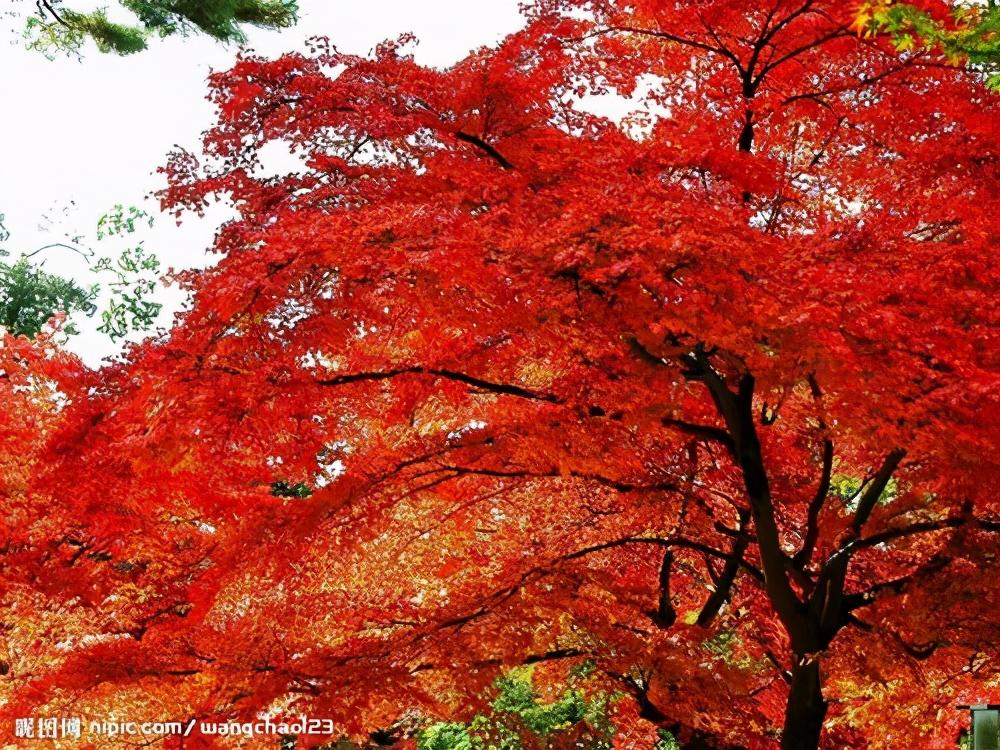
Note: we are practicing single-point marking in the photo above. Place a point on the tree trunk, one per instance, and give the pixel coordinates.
(806, 708)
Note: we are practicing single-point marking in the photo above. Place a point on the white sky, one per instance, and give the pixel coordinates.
(77, 137)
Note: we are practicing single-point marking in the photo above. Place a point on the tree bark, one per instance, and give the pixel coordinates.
(723, 587)
(666, 615)
(806, 709)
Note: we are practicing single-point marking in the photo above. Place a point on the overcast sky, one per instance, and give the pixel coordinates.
(77, 137)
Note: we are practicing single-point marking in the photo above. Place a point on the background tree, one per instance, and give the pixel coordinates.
(56, 27)
(965, 33)
(708, 397)
(30, 296)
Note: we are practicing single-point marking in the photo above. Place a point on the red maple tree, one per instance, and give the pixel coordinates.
(708, 395)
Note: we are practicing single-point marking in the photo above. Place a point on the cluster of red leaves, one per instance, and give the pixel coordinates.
(515, 351)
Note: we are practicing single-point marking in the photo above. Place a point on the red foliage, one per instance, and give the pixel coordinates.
(518, 351)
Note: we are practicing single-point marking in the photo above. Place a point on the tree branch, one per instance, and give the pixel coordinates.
(668, 543)
(864, 598)
(485, 147)
(771, 65)
(768, 34)
(485, 385)
(44, 5)
(804, 556)
(669, 37)
(666, 615)
(874, 491)
(736, 409)
(705, 432)
(918, 528)
(615, 484)
(726, 580)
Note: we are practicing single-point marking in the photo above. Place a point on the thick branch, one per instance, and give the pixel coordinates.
(918, 528)
(485, 147)
(874, 490)
(705, 432)
(44, 5)
(647, 709)
(791, 54)
(804, 556)
(769, 33)
(736, 409)
(666, 615)
(834, 605)
(726, 580)
(615, 484)
(668, 543)
(918, 651)
(559, 653)
(485, 385)
(671, 38)
(896, 585)
(860, 599)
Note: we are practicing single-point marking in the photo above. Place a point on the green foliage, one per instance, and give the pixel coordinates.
(55, 29)
(73, 29)
(667, 741)
(849, 490)
(517, 697)
(134, 276)
(281, 488)
(518, 712)
(29, 297)
(220, 19)
(971, 36)
(121, 221)
(446, 736)
(727, 647)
